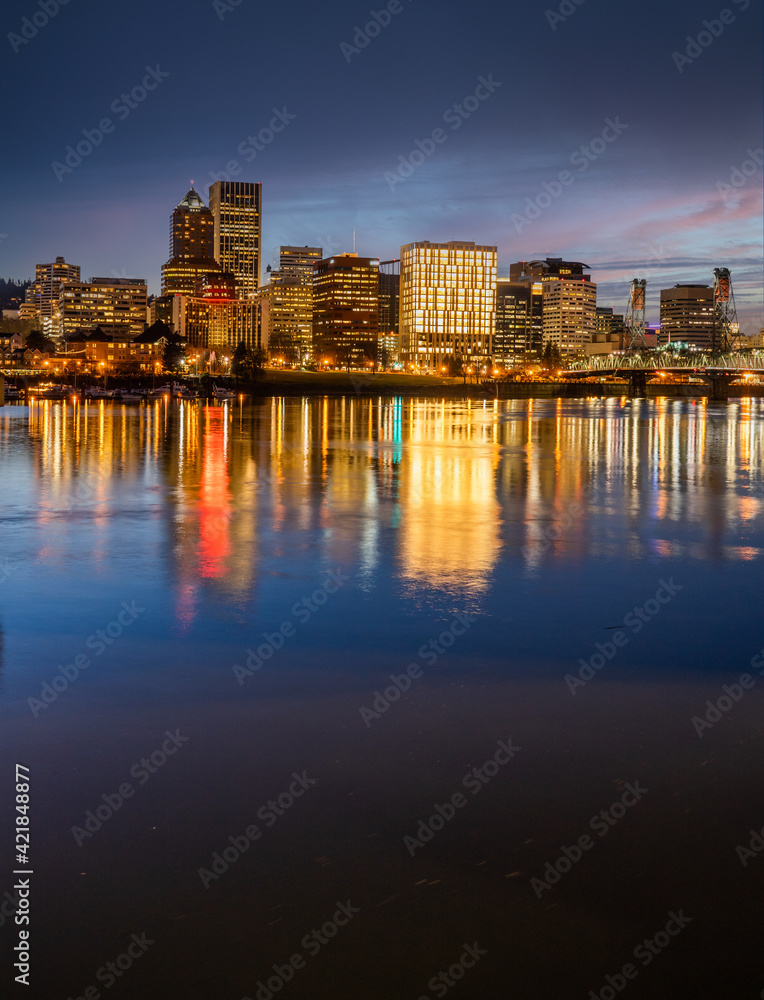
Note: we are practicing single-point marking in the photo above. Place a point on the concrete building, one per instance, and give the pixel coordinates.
(297, 262)
(687, 316)
(116, 305)
(215, 319)
(447, 302)
(346, 309)
(236, 209)
(286, 316)
(44, 295)
(569, 302)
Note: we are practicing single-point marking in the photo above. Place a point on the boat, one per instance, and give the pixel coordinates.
(222, 394)
(11, 392)
(128, 397)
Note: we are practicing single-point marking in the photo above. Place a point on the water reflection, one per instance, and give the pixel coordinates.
(429, 493)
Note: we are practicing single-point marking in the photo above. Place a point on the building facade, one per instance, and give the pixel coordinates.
(297, 262)
(513, 337)
(117, 305)
(214, 319)
(286, 317)
(447, 302)
(346, 309)
(236, 209)
(192, 232)
(45, 292)
(568, 300)
(687, 316)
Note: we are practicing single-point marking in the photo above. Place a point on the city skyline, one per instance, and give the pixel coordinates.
(667, 191)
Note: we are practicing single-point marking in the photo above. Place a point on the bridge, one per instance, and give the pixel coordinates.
(717, 371)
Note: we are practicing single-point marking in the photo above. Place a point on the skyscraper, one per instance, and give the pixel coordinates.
(236, 210)
(286, 316)
(191, 246)
(448, 295)
(346, 309)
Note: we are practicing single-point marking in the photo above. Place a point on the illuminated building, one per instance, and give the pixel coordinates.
(346, 309)
(191, 246)
(214, 319)
(286, 316)
(687, 316)
(297, 262)
(513, 336)
(447, 304)
(236, 208)
(116, 305)
(144, 353)
(45, 292)
(569, 304)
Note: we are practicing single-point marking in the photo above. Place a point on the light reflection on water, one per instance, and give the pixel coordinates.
(450, 488)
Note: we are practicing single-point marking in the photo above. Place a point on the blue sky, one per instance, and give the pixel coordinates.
(648, 200)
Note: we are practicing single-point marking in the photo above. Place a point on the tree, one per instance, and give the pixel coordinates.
(456, 367)
(248, 363)
(174, 350)
(37, 341)
(551, 359)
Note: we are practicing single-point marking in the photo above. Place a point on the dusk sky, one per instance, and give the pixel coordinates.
(647, 205)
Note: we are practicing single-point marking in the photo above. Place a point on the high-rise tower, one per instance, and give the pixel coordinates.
(191, 246)
(236, 208)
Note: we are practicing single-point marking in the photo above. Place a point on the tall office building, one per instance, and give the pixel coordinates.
(297, 262)
(687, 316)
(569, 302)
(116, 305)
(191, 246)
(346, 309)
(513, 337)
(389, 311)
(236, 211)
(45, 293)
(447, 305)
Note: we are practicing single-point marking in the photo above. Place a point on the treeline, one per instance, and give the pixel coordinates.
(11, 290)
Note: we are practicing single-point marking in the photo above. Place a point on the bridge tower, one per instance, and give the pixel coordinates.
(635, 316)
(726, 326)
